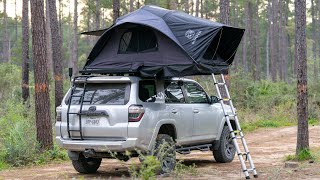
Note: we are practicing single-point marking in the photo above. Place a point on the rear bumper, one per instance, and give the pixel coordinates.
(99, 146)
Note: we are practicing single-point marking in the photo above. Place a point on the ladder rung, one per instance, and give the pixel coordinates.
(231, 115)
(75, 130)
(73, 113)
(76, 96)
(226, 99)
(238, 137)
(220, 84)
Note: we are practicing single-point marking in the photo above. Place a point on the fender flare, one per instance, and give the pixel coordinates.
(156, 131)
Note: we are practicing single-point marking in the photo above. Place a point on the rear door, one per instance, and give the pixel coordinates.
(104, 111)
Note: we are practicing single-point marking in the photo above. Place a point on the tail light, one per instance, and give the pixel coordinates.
(58, 113)
(135, 113)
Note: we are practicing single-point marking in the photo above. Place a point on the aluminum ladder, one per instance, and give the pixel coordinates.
(237, 133)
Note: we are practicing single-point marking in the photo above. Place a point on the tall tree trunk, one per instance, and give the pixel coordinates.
(244, 42)
(252, 49)
(56, 53)
(131, 5)
(75, 39)
(116, 9)
(225, 11)
(302, 86)
(318, 37)
(172, 4)
(25, 51)
(268, 40)
(16, 20)
(186, 6)
(197, 8)
(225, 19)
(257, 43)
(314, 44)
(201, 9)
(97, 14)
(42, 100)
(48, 41)
(274, 40)
(6, 43)
(280, 42)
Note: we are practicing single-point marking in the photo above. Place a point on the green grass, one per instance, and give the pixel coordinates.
(304, 155)
(251, 126)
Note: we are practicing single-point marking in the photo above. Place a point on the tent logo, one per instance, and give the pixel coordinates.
(192, 35)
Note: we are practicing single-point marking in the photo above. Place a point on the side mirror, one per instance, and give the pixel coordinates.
(214, 99)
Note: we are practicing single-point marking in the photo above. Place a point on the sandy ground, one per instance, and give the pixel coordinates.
(267, 146)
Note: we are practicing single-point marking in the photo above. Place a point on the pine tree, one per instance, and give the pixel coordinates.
(42, 100)
(302, 88)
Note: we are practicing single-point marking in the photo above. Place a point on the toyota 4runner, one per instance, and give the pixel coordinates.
(109, 116)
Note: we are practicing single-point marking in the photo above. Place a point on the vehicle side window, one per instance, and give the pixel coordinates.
(147, 89)
(173, 93)
(195, 93)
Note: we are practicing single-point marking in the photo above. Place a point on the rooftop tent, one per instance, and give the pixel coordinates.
(155, 41)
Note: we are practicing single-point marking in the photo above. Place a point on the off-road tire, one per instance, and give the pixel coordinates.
(226, 150)
(86, 165)
(165, 151)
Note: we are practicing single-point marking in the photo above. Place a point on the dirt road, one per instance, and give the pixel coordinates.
(268, 148)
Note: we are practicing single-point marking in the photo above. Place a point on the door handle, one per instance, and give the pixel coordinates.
(196, 111)
(174, 111)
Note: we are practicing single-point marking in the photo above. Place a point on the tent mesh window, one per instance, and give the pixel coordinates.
(138, 40)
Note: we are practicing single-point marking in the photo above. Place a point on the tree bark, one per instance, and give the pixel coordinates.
(252, 49)
(25, 51)
(280, 60)
(42, 100)
(97, 14)
(302, 88)
(244, 42)
(197, 8)
(48, 39)
(257, 43)
(75, 39)
(314, 44)
(6, 43)
(131, 5)
(186, 6)
(116, 9)
(56, 53)
(274, 40)
(225, 11)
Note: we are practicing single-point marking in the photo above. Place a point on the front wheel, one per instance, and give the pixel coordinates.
(165, 152)
(226, 150)
(86, 165)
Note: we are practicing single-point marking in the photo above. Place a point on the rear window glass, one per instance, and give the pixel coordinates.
(147, 89)
(101, 94)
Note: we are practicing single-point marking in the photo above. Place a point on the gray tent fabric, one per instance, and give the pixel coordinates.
(185, 45)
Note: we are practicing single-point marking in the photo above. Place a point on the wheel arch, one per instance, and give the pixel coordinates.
(164, 127)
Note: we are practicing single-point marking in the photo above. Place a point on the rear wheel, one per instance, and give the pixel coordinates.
(226, 150)
(86, 165)
(165, 152)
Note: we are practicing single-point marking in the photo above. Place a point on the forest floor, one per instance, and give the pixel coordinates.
(268, 147)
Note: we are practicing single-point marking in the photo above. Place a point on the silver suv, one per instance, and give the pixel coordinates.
(109, 116)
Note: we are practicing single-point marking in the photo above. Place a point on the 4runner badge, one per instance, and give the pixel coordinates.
(192, 35)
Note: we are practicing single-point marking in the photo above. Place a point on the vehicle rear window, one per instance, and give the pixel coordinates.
(102, 94)
(147, 89)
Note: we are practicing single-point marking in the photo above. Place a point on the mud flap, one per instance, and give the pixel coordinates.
(73, 155)
(215, 144)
